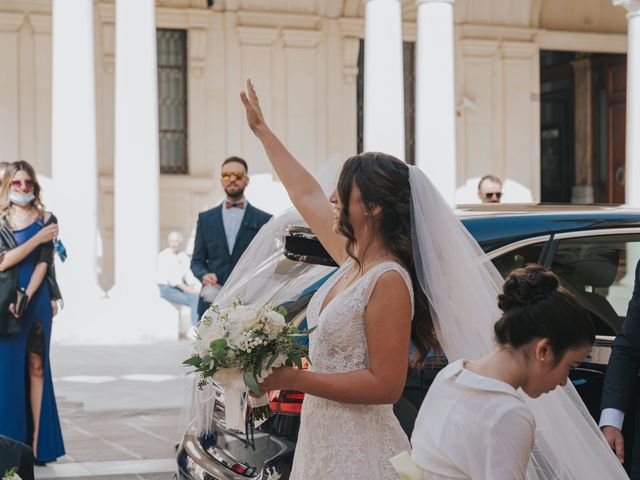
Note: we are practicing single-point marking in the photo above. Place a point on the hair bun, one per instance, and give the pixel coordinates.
(526, 285)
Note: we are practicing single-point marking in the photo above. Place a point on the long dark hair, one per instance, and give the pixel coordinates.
(535, 306)
(384, 180)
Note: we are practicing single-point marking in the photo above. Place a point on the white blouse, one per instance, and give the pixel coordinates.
(471, 426)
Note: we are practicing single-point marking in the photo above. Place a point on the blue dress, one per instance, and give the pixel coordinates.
(15, 408)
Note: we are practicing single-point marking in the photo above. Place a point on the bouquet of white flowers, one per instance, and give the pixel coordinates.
(11, 474)
(238, 347)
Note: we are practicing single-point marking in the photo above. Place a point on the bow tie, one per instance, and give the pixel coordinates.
(230, 204)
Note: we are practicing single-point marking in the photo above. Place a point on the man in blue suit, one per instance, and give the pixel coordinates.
(619, 394)
(224, 232)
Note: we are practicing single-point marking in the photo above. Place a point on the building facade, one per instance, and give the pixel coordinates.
(538, 91)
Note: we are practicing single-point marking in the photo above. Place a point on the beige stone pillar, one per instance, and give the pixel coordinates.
(582, 191)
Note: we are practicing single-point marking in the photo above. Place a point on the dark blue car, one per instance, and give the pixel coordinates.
(592, 249)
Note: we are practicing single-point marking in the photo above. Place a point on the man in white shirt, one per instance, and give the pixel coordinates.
(619, 393)
(175, 280)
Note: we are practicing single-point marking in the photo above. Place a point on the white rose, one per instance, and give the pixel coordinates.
(245, 317)
(274, 324)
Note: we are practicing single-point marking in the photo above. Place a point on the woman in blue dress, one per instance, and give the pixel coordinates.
(28, 411)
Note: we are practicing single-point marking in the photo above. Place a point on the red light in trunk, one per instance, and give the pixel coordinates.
(236, 467)
(286, 401)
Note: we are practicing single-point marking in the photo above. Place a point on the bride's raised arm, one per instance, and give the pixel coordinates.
(304, 190)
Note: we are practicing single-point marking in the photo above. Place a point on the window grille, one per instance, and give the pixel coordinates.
(172, 100)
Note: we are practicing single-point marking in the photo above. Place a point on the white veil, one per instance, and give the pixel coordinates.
(462, 286)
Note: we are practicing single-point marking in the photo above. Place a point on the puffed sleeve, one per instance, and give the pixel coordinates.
(508, 445)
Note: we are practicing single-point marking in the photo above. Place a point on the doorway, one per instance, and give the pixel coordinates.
(582, 134)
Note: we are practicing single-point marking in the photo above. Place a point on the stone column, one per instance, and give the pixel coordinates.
(136, 174)
(632, 177)
(618, 294)
(136, 169)
(582, 191)
(74, 155)
(435, 95)
(383, 78)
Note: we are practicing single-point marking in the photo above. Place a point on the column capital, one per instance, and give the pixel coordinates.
(350, 51)
(11, 22)
(632, 6)
(40, 23)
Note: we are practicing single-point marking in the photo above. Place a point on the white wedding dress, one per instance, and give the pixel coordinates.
(340, 440)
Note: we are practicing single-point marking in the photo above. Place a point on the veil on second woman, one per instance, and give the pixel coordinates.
(462, 286)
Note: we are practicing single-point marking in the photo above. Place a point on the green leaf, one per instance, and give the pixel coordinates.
(193, 361)
(271, 360)
(296, 359)
(251, 382)
(282, 311)
(219, 348)
(302, 333)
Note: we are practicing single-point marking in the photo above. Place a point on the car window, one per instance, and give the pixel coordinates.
(600, 272)
(508, 262)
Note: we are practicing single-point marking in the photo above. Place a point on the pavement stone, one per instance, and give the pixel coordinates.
(120, 410)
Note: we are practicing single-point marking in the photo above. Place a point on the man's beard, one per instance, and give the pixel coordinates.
(235, 195)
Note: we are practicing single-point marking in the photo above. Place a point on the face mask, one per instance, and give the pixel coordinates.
(21, 199)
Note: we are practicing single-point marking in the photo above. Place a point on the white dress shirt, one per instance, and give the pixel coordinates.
(173, 268)
(232, 220)
(472, 427)
(612, 417)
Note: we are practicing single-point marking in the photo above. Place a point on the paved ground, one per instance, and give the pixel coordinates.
(120, 409)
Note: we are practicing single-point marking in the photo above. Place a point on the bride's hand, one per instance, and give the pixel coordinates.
(279, 379)
(255, 119)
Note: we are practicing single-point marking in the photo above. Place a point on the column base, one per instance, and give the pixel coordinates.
(582, 194)
(119, 320)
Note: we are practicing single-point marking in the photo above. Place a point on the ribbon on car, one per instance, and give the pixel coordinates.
(235, 403)
(234, 390)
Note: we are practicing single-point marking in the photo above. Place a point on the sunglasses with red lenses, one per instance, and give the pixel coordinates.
(28, 184)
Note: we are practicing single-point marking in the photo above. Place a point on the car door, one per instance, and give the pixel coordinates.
(598, 267)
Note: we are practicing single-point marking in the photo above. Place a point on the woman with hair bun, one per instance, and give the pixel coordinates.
(473, 422)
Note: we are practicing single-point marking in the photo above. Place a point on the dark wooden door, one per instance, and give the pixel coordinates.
(610, 118)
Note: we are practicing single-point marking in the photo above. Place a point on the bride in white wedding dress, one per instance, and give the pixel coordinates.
(365, 314)
(409, 270)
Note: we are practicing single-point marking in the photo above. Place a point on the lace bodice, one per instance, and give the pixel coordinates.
(342, 441)
(339, 343)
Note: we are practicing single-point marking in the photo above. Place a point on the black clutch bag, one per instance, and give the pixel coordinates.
(21, 301)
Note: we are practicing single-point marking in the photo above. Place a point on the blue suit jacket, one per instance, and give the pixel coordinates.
(211, 251)
(622, 371)
(620, 382)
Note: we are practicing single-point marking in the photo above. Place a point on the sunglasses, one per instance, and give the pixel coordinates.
(227, 176)
(29, 184)
(489, 195)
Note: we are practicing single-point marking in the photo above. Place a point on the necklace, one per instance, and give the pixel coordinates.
(357, 272)
(20, 220)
